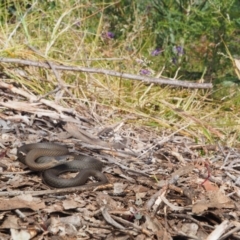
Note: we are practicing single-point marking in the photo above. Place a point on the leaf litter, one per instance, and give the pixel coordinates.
(161, 185)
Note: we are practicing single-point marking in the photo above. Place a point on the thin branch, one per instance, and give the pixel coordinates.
(146, 79)
(87, 187)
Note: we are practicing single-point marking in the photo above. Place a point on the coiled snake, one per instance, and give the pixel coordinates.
(51, 169)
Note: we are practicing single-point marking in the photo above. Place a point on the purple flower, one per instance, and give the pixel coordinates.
(144, 72)
(156, 52)
(110, 35)
(178, 50)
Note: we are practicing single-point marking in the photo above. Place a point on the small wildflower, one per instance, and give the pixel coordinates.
(178, 50)
(110, 35)
(144, 72)
(107, 35)
(156, 52)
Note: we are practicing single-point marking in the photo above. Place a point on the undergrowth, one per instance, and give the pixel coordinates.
(126, 36)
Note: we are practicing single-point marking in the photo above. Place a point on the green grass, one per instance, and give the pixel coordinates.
(73, 34)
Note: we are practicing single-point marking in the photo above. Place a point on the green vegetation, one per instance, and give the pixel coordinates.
(189, 40)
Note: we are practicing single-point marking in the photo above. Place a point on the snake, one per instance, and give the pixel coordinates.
(51, 160)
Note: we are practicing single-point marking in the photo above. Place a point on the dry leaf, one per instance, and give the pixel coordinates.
(24, 201)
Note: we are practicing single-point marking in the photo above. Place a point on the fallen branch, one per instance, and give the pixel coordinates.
(146, 79)
(82, 188)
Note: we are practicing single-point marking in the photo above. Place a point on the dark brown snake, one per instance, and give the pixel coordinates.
(52, 168)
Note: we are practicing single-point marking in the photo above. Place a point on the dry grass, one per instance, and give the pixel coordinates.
(72, 35)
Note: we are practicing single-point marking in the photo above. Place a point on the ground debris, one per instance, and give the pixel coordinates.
(161, 186)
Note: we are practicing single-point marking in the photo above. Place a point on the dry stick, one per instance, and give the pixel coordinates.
(229, 233)
(113, 161)
(219, 230)
(50, 93)
(11, 173)
(146, 79)
(53, 191)
(20, 214)
(132, 225)
(107, 150)
(109, 219)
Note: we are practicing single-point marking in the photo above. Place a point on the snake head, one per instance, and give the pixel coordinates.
(54, 160)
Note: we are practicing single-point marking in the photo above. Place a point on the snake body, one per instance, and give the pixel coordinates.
(51, 169)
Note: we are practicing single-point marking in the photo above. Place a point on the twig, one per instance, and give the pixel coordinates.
(54, 191)
(231, 232)
(112, 160)
(153, 199)
(58, 88)
(10, 173)
(172, 206)
(132, 225)
(146, 79)
(20, 214)
(219, 230)
(109, 219)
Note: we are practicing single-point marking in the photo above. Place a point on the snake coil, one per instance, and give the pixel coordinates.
(53, 168)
